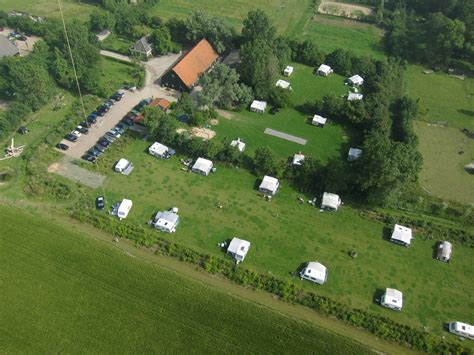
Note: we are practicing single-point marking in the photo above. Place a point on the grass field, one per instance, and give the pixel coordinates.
(71, 8)
(115, 74)
(68, 293)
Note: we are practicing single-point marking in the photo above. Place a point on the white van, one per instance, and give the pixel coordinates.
(462, 329)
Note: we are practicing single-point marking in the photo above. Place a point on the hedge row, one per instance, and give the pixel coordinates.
(378, 325)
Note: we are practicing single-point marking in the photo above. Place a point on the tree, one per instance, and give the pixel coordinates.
(152, 117)
(166, 131)
(161, 40)
(340, 61)
(307, 52)
(283, 51)
(257, 25)
(280, 97)
(405, 111)
(265, 162)
(61, 69)
(186, 105)
(101, 20)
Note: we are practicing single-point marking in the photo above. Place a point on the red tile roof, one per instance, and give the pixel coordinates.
(196, 62)
(161, 103)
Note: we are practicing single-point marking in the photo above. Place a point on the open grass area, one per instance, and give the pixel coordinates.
(49, 8)
(69, 293)
(117, 44)
(115, 74)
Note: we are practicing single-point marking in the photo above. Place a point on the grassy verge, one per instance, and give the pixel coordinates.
(71, 8)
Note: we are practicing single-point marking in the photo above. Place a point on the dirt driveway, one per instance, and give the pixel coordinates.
(25, 47)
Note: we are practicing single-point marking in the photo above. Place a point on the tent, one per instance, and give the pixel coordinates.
(258, 106)
(401, 235)
(319, 121)
(392, 299)
(324, 70)
(238, 249)
(353, 96)
(238, 144)
(298, 159)
(269, 185)
(355, 80)
(330, 201)
(202, 166)
(158, 150)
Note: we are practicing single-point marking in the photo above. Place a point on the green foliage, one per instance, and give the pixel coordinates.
(152, 118)
(101, 20)
(161, 40)
(257, 26)
(307, 52)
(340, 62)
(265, 162)
(280, 97)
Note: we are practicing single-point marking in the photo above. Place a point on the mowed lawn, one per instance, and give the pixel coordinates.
(67, 293)
(285, 234)
(49, 8)
(322, 143)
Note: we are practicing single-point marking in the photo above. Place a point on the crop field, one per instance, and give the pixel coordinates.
(71, 8)
(285, 234)
(68, 293)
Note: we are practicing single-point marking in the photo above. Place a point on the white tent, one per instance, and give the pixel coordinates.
(315, 272)
(330, 201)
(283, 84)
(124, 208)
(319, 121)
(238, 249)
(288, 70)
(392, 299)
(444, 251)
(356, 80)
(462, 329)
(269, 185)
(354, 154)
(123, 166)
(401, 235)
(166, 221)
(324, 70)
(158, 150)
(353, 96)
(258, 106)
(298, 159)
(238, 144)
(202, 166)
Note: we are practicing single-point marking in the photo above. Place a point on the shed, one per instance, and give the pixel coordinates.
(238, 249)
(124, 208)
(102, 35)
(324, 70)
(401, 235)
(330, 201)
(298, 159)
(355, 80)
(124, 167)
(392, 299)
(238, 144)
(142, 47)
(269, 185)
(283, 84)
(158, 150)
(288, 70)
(202, 166)
(462, 329)
(354, 96)
(354, 154)
(258, 106)
(166, 221)
(443, 253)
(319, 121)
(315, 272)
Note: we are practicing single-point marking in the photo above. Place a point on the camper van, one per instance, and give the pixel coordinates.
(462, 329)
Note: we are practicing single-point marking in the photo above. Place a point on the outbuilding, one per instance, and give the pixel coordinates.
(124, 167)
(258, 106)
(269, 185)
(319, 121)
(354, 96)
(283, 84)
(124, 208)
(392, 299)
(354, 154)
(102, 35)
(159, 150)
(237, 143)
(462, 329)
(330, 201)
(444, 251)
(202, 166)
(288, 70)
(401, 235)
(298, 159)
(324, 70)
(238, 249)
(166, 221)
(315, 272)
(142, 47)
(355, 80)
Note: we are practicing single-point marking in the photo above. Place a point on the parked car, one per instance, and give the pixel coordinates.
(104, 142)
(100, 148)
(116, 97)
(114, 133)
(71, 137)
(92, 118)
(83, 130)
(121, 93)
(21, 38)
(85, 124)
(120, 129)
(109, 103)
(127, 121)
(95, 152)
(76, 133)
(108, 137)
(100, 202)
(62, 146)
(89, 157)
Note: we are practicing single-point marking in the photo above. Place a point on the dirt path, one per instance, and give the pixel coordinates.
(66, 168)
(345, 10)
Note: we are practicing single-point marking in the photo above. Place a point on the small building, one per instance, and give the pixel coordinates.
(354, 96)
(444, 250)
(159, 150)
(166, 221)
(355, 80)
(315, 272)
(258, 106)
(238, 249)
(102, 35)
(238, 144)
(7, 47)
(324, 70)
(142, 47)
(283, 84)
(269, 185)
(401, 235)
(202, 166)
(462, 329)
(330, 202)
(354, 154)
(392, 299)
(298, 159)
(124, 208)
(124, 167)
(161, 103)
(319, 121)
(288, 70)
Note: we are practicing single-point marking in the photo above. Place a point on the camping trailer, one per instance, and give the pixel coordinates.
(124, 167)
(202, 166)
(124, 208)
(401, 235)
(315, 272)
(444, 250)
(159, 150)
(283, 84)
(354, 154)
(258, 106)
(288, 70)
(324, 70)
(330, 201)
(166, 221)
(269, 185)
(238, 249)
(392, 299)
(318, 121)
(355, 80)
(298, 159)
(238, 144)
(462, 329)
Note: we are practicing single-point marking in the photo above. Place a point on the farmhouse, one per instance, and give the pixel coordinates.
(315, 272)
(185, 75)
(166, 221)
(401, 235)
(355, 80)
(444, 251)
(283, 84)
(202, 166)
(159, 150)
(7, 48)
(319, 121)
(238, 144)
(354, 96)
(142, 47)
(238, 249)
(258, 106)
(392, 299)
(124, 167)
(124, 208)
(354, 154)
(288, 70)
(298, 159)
(269, 185)
(324, 70)
(330, 202)
(102, 35)
(462, 329)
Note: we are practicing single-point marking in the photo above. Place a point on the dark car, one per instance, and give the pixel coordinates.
(100, 148)
(108, 138)
(21, 38)
(104, 142)
(89, 157)
(127, 121)
(116, 97)
(62, 146)
(23, 130)
(120, 129)
(83, 130)
(274, 110)
(71, 137)
(100, 202)
(85, 124)
(92, 118)
(109, 103)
